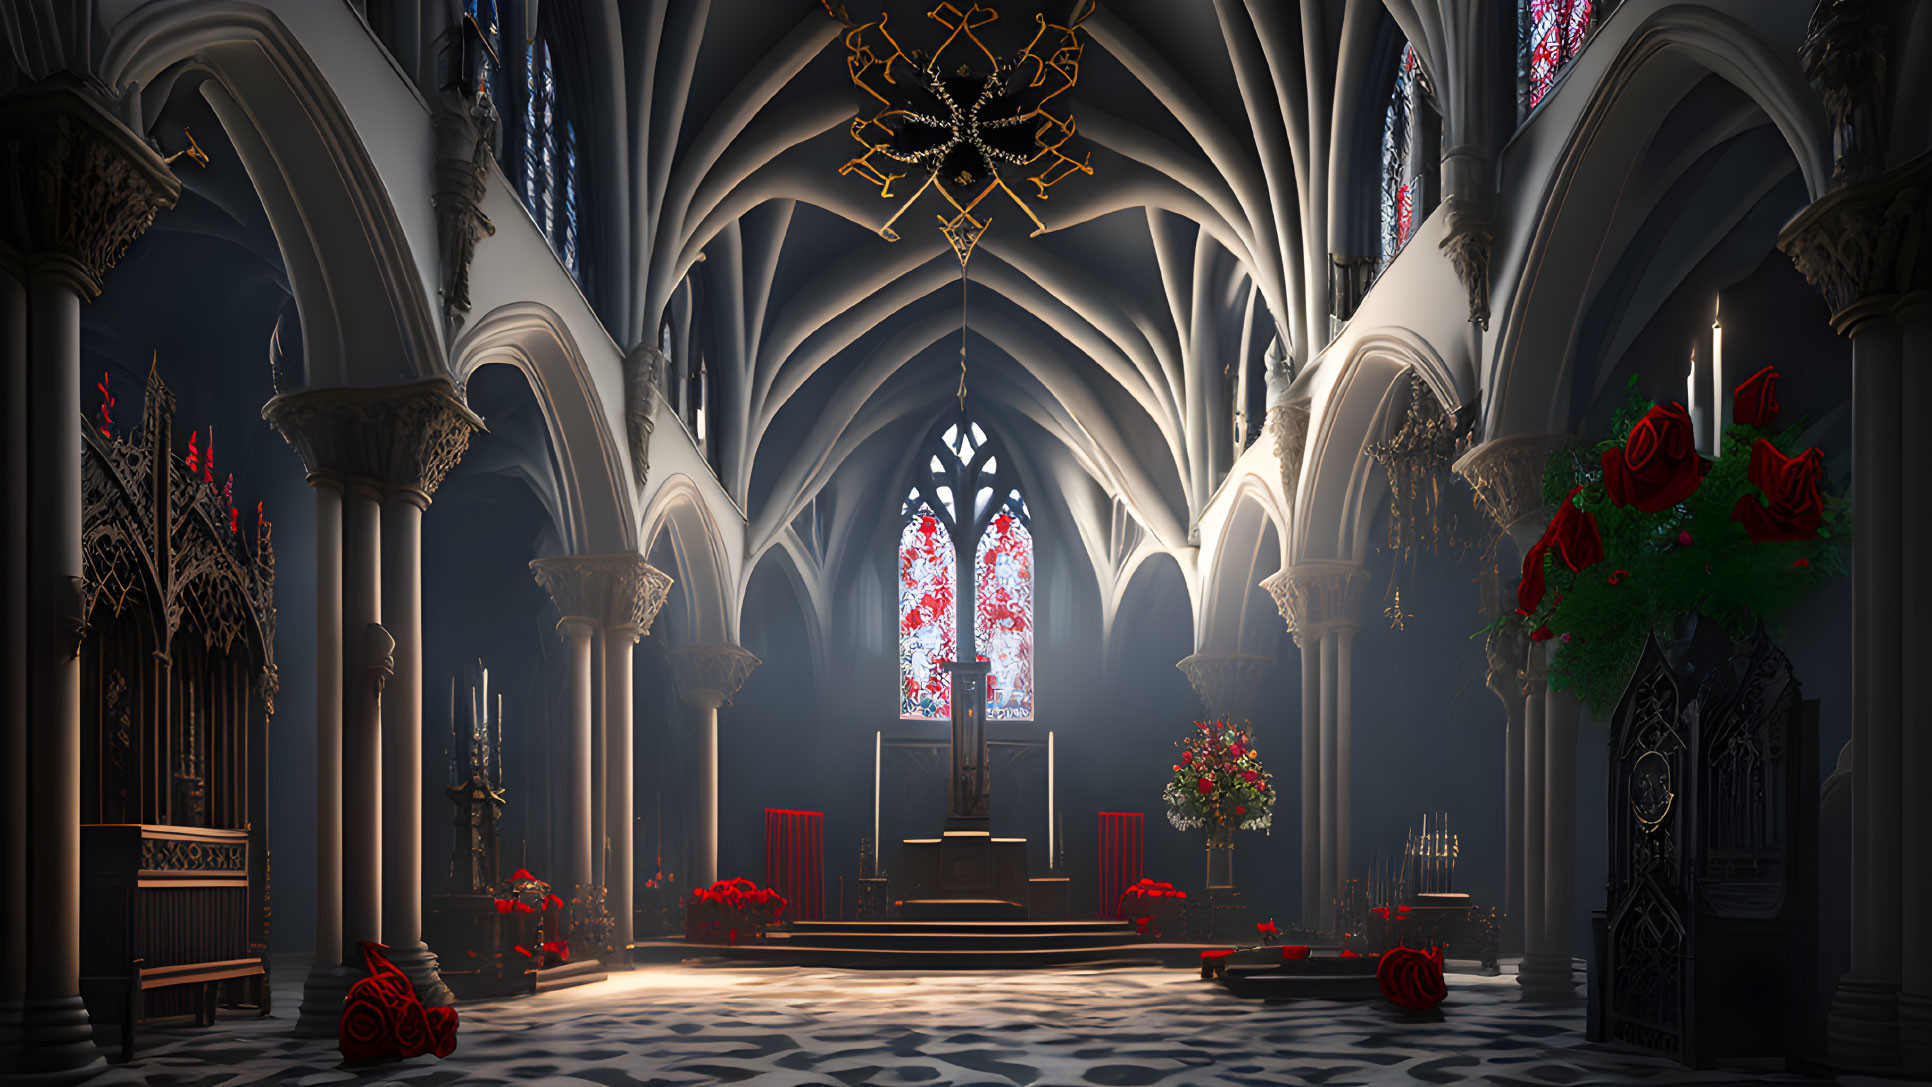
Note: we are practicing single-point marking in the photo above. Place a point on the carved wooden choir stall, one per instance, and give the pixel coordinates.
(178, 684)
(1707, 949)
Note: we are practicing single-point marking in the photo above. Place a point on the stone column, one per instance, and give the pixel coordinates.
(606, 602)
(708, 676)
(1535, 814)
(1225, 682)
(1321, 604)
(13, 642)
(1547, 974)
(637, 591)
(384, 451)
(1311, 778)
(1507, 476)
(80, 187)
(1864, 245)
(1506, 651)
(367, 661)
(1915, 456)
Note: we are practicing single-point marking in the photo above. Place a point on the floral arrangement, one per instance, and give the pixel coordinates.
(383, 1019)
(720, 913)
(1219, 781)
(1646, 532)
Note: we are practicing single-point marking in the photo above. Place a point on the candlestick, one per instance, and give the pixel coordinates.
(878, 760)
(449, 753)
(496, 779)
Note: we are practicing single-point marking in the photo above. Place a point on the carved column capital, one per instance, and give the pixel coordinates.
(618, 593)
(403, 438)
(1226, 682)
(1865, 245)
(716, 671)
(1507, 474)
(81, 186)
(643, 368)
(1290, 421)
(1314, 598)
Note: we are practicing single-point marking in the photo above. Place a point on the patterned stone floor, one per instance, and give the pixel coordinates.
(1110, 1028)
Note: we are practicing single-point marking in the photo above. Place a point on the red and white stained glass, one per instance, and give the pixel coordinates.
(928, 623)
(1555, 33)
(1404, 214)
(1003, 617)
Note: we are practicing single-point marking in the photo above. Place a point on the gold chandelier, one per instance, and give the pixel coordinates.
(956, 117)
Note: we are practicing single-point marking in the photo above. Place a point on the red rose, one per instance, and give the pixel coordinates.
(363, 1034)
(1205, 784)
(1755, 401)
(411, 1033)
(1235, 751)
(1573, 535)
(442, 1031)
(1294, 951)
(1542, 634)
(1240, 809)
(1412, 979)
(1791, 485)
(1658, 465)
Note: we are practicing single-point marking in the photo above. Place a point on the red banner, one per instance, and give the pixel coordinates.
(795, 861)
(1122, 836)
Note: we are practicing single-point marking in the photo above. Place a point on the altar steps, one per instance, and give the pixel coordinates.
(945, 945)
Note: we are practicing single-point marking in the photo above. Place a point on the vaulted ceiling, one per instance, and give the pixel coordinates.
(1107, 349)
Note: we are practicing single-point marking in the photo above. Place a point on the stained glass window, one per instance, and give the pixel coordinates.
(963, 499)
(551, 180)
(1003, 612)
(928, 623)
(1398, 182)
(1552, 36)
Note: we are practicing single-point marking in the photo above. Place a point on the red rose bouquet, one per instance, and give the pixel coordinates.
(731, 910)
(383, 1019)
(1647, 531)
(1219, 780)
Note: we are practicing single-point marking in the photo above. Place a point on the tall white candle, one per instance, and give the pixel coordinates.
(1050, 801)
(1720, 407)
(878, 759)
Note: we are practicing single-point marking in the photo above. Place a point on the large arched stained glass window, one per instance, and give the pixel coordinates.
(962, 503)
(1003, 611)
(1400, 189)
(1552, 36)
(928, 619)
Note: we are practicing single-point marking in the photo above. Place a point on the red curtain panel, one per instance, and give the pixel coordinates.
(1122, 836)
(795, 861)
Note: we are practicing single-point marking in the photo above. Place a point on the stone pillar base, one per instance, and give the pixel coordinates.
(1915, 1032)
(12, 1034)
(322, 996)
(418, 963)
(57, 1045)
(1547, 977)
(1862, 1028)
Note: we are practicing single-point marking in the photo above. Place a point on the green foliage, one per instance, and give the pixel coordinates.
(1689, 559)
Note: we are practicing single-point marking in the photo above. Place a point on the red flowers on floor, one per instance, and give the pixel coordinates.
(1412, 979)
(382, 1018)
